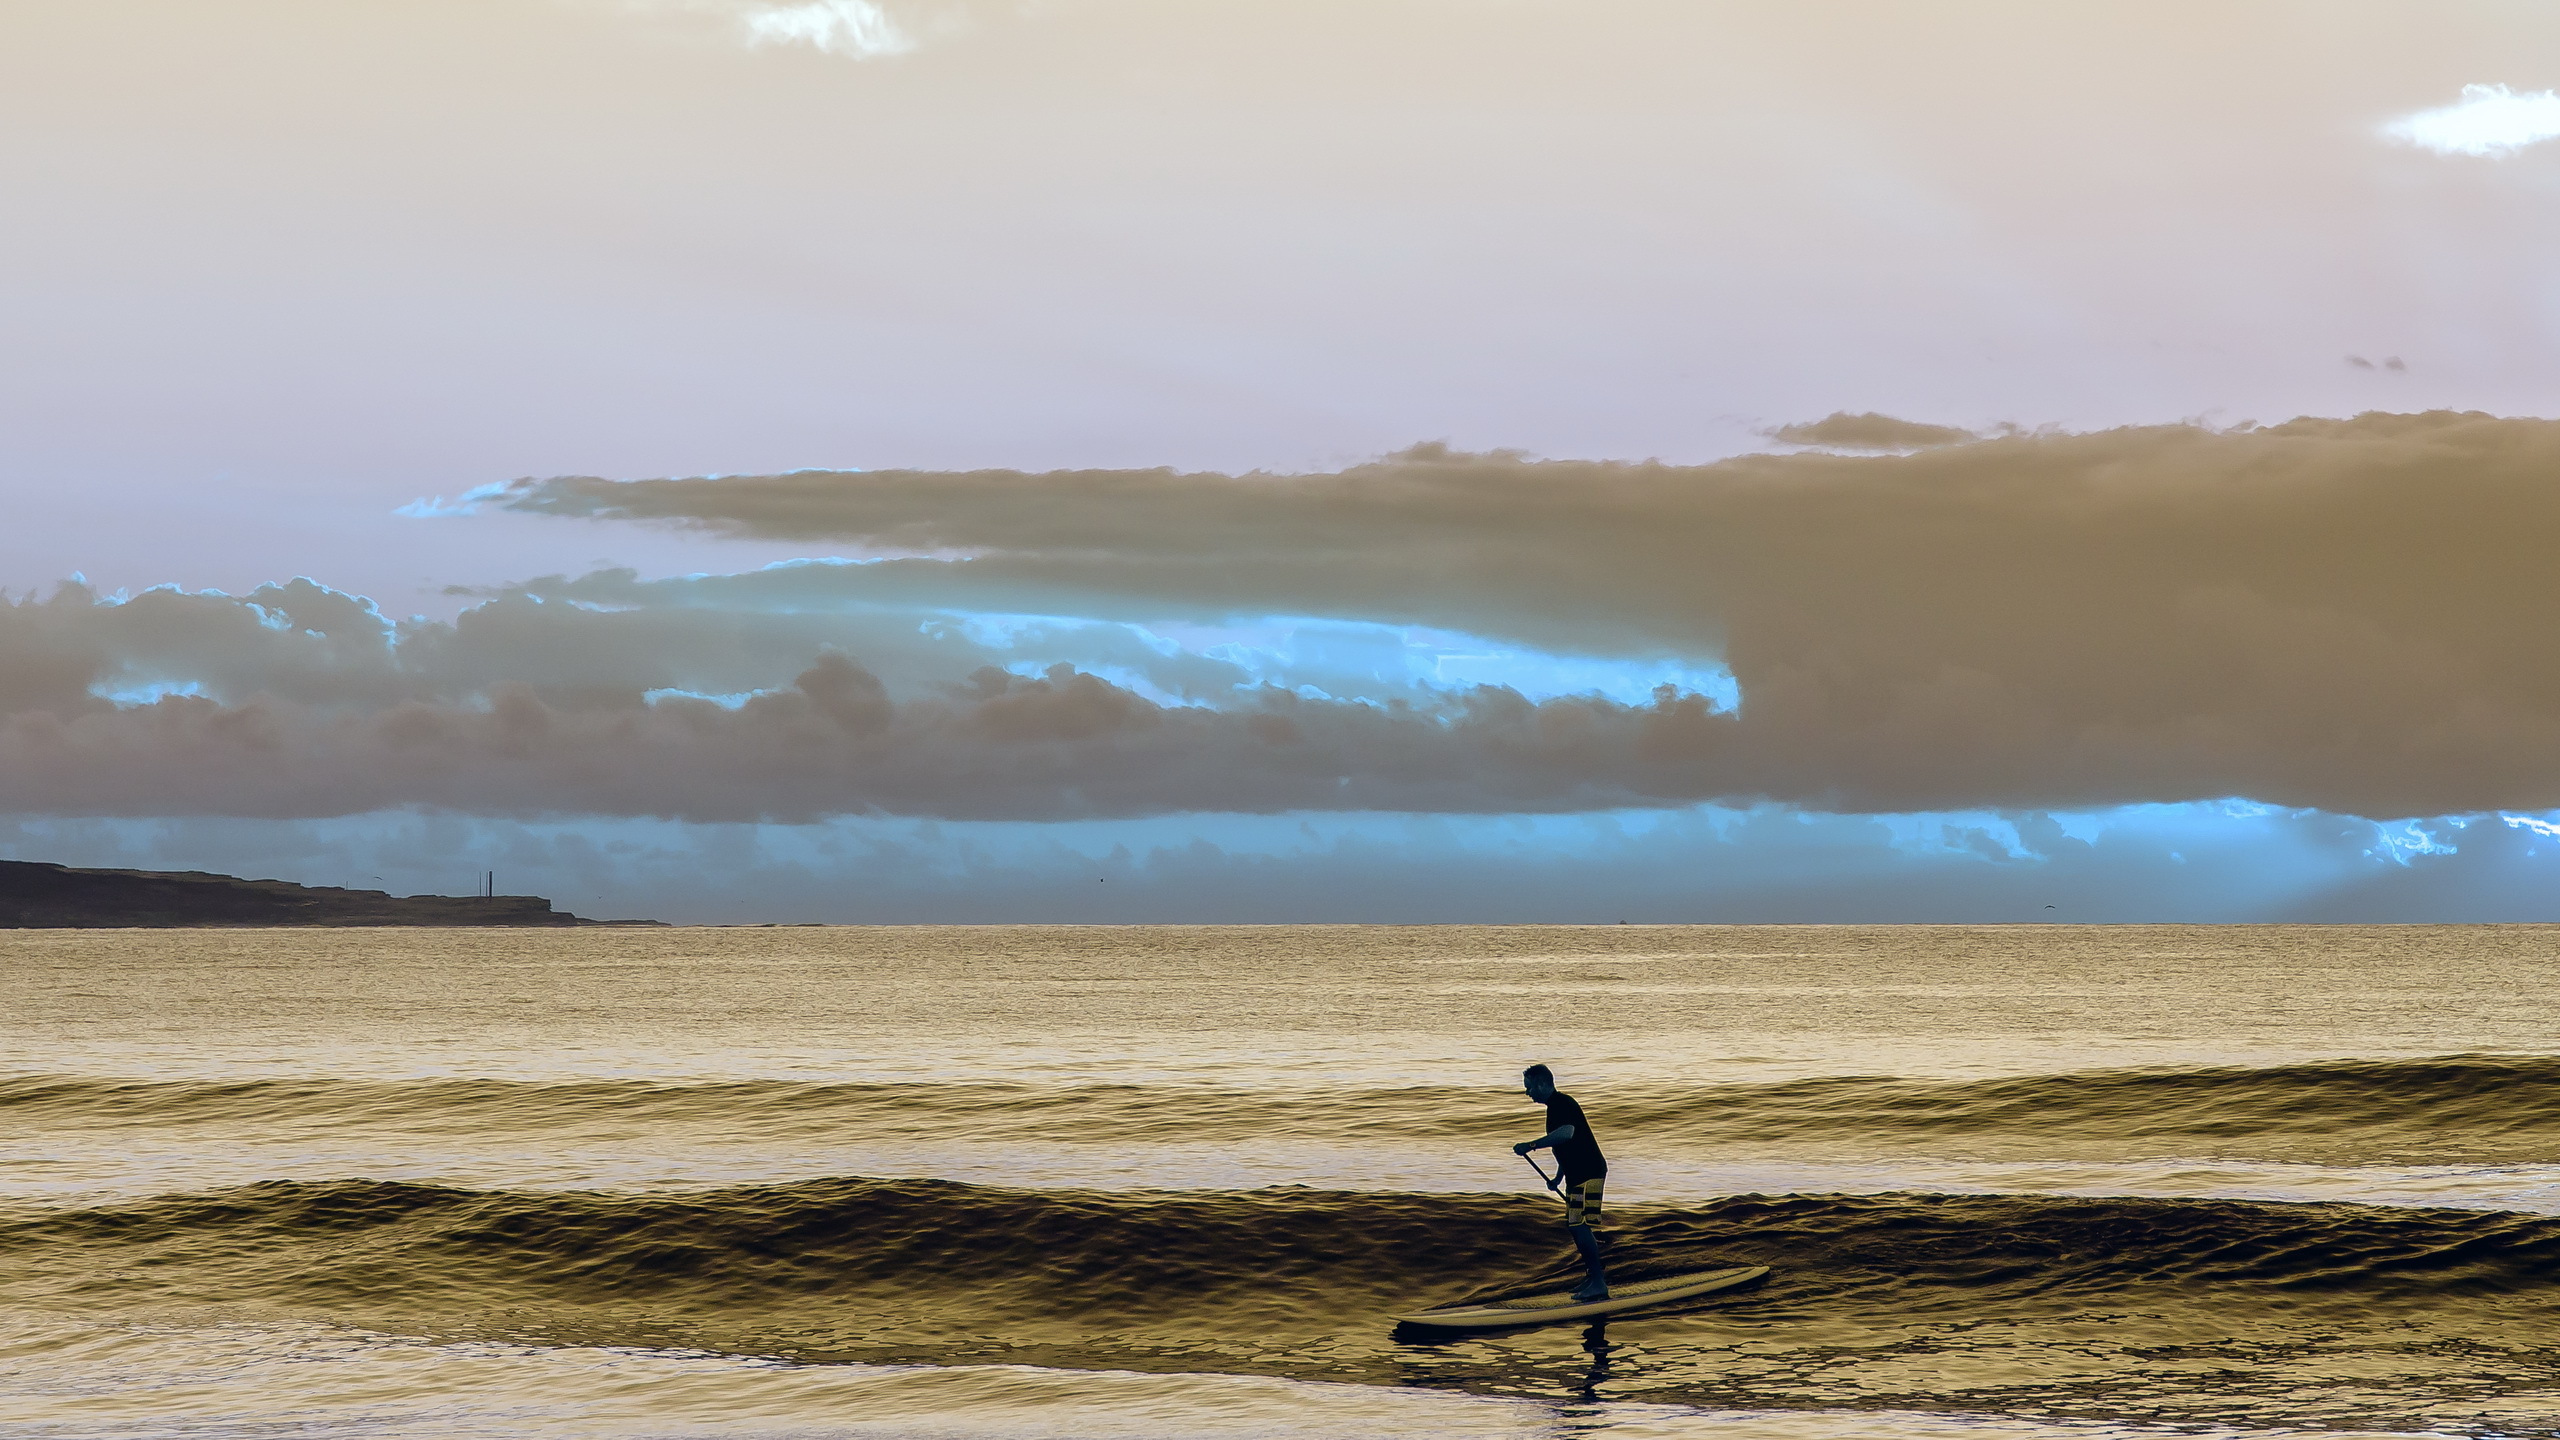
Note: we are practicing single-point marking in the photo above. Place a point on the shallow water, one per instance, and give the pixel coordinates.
(1169, 1181)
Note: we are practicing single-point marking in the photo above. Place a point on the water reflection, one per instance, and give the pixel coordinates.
(1595, 1342)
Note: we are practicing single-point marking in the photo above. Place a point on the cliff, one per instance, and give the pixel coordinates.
(39, 896)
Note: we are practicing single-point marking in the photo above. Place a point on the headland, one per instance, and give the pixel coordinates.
(38, 896)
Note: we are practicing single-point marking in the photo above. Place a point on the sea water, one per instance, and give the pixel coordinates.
(2013, 1182)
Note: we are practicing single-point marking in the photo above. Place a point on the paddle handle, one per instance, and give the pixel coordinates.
(1551, 1180)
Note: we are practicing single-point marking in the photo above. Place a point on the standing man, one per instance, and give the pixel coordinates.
(1578, 1156)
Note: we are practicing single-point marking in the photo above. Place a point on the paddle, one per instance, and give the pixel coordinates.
(1552, 1180)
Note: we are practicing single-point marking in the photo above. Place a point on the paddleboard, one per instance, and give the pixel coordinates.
(1549, 1309)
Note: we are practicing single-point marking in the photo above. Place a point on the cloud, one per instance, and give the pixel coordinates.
(856, 29)
(2345, 615)
(300, 701)
(1841, 430)
(914, 623)
(852, 29)
(2489, 120)
(436, 507)
(1065, 745)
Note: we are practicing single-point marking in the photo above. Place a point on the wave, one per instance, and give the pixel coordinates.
(2453, 1109)
(941, 1248)
(2191, 1311)
(2473, 1105)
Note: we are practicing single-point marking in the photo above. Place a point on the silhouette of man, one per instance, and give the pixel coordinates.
(1585, 1168)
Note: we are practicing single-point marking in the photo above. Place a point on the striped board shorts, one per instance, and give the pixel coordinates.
(1582, 1201)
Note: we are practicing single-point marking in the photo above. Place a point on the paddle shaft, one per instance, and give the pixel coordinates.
(1552, 1180)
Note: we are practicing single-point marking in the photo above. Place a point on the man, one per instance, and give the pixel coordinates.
(1578, 1156)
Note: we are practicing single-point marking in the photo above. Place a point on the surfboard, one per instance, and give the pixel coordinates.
(1549, 1309)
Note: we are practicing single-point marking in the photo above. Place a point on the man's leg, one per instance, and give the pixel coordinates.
(1582, 1208)
(1595, 1285)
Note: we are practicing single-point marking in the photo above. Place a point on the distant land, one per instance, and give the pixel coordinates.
(37, 896)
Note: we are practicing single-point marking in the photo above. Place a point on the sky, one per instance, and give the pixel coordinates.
(1418, 460)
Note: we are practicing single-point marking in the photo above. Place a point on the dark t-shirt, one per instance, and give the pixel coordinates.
(1580, 1156)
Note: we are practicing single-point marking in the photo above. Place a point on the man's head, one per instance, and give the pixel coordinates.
(1539, 1081)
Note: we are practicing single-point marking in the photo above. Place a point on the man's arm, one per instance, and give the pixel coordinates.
(1557, 1136)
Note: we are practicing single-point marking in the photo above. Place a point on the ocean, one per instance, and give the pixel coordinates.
(2014, 1182)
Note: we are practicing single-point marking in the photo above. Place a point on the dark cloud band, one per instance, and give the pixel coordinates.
(2347, 616)
(2342, 614)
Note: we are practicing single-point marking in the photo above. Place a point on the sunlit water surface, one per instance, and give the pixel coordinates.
(1171, 1181)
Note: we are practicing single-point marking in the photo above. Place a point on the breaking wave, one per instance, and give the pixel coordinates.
(854, 1258)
